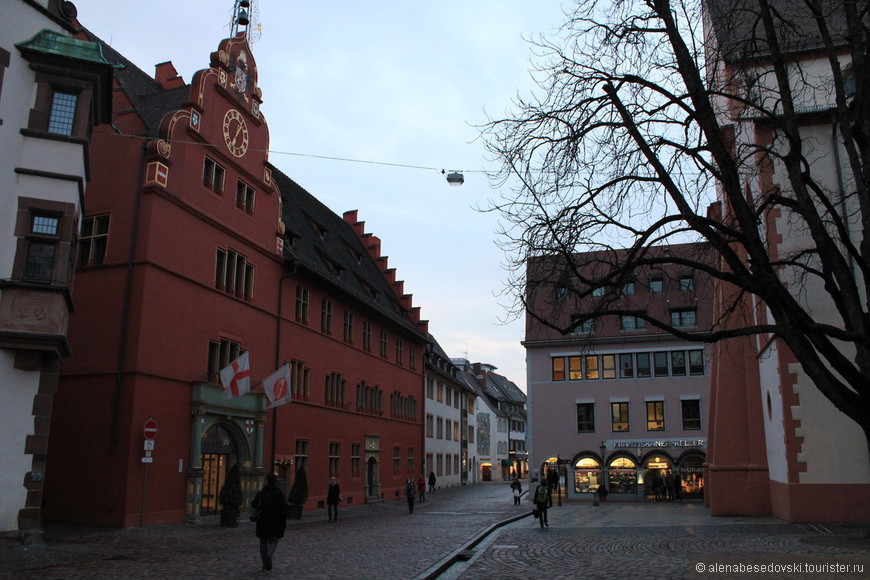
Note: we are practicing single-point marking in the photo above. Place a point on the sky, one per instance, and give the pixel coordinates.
(400, 87)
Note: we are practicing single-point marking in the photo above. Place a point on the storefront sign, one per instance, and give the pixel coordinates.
(651, 443)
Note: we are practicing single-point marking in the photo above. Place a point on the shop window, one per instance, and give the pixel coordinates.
(655, 415)
(643, 365)
(558, 368)
(622, 476)
(691, 414)
(678, 363)
(591, 367)
(587, 475)
(626, 366)
(608, 366)
(575, 368)
(660, 359)
(696, 362)
(619, 417)
(93, 240)
(585, 417)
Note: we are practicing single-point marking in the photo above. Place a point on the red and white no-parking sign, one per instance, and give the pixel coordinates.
(150, 429)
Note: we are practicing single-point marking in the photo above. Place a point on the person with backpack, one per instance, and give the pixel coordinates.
(543, 500)
(410, 493)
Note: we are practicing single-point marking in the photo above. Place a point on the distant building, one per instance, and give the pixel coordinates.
(53, 89)
(195, 250)
(448, 400)
(617, 402)
(499, 423)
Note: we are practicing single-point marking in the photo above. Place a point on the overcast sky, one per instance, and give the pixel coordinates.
(391, 83)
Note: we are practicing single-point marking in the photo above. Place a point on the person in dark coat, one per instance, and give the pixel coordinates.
(410, 493)
(431, 482)
(543, 501)
(333, 498)
(270, 502)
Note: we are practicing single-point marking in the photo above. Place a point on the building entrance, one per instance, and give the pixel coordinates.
(218, 455)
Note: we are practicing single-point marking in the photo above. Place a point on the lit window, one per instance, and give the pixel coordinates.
(619, 416)
(655, 415)
(558, 368)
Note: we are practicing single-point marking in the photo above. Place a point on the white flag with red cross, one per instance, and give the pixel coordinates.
(277, 387)
(236, 377)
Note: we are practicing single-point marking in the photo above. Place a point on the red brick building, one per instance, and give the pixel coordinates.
(195, 249)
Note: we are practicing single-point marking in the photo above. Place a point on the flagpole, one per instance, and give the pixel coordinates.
(277, 364)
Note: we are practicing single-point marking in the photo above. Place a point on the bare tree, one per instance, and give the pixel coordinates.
(741, 123)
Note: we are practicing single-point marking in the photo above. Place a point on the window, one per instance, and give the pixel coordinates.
(430, 425)
(687, 284)
(448, 429)
(412, 357)
(678, 363)
(300, 380)
(696, 362)
(334, 459)
(643, 365)
(691, 414)
(302, 454)
(93, 241)
(302, 299)
(221, 353)
(385, 342)
(585, 417)
(619, 416)
(655, 415)
(61, 117)
(42, 241)
(608, 366)
(213, 176)
(632, 322)
(336, 390)
(369, 399)
(233, 274)
(367, 335)
(628, 289)
(656, 285)
(326, 316)
(439, 424)
(660, 360)
(411, 468)
(355, 459)
(591, 367)
(598, 291)
(348, 326)
(558, 368)
(575, 368)
(585, 327)
(683, 318)
(245, 197)
(400, 351)
(626, 366)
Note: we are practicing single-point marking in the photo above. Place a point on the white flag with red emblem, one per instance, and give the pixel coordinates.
(277, 387)
(236, 377)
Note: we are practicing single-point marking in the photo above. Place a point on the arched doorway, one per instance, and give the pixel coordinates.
(587, 475)
(657, 467)
(218, 453)
(486, 471)
(691, 473)
(373, 480)
(622, 475)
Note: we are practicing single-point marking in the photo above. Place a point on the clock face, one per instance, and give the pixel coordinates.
(235, 133)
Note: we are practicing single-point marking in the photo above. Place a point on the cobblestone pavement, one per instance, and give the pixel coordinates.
(382, 541)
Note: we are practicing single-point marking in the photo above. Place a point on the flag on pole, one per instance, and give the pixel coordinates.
(277, 387)
(236, 377)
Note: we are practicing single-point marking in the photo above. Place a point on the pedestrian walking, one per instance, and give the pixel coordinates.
(517, 490)
(421, 488)
(333, 498)
(543, 501)
(431, 482)
(271, 507)
(410, 492)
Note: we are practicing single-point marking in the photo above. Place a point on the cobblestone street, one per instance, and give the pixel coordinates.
(625, 540)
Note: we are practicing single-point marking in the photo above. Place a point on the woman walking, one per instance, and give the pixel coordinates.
(270, 504)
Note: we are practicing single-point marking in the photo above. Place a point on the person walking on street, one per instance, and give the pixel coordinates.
(272, 520)
(421, 488)
(543, 500)
(333, 498)
(517, 490)
(431, 482)
(410, 492)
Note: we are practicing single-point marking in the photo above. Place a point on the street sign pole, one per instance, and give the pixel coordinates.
(149, 431)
